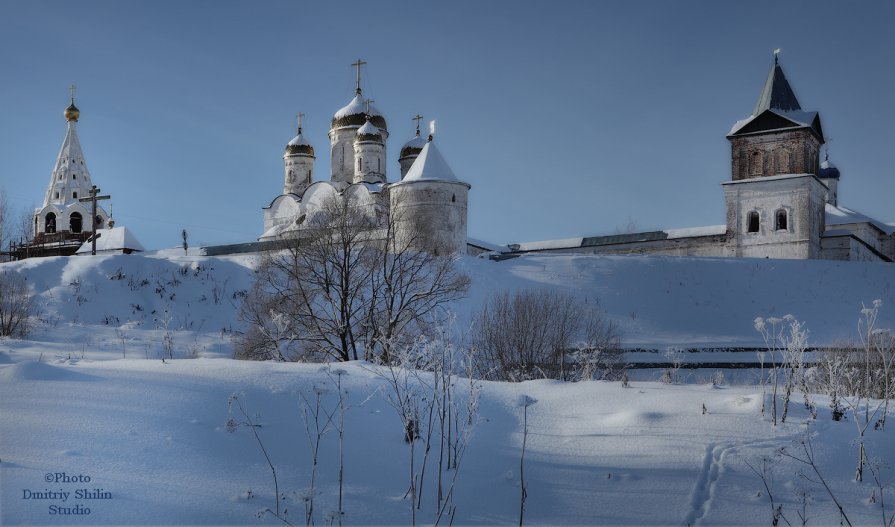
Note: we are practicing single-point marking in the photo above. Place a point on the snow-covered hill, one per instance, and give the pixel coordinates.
(79, 398)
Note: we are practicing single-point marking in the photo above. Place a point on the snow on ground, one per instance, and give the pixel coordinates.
(153, 435)
(79, 397)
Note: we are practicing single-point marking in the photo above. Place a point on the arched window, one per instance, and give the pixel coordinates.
(56, 195)
(752, 221)
(756, 163)
(75, 224)
(74, 195)
(50, 223)
(780, 220)
(74, 176)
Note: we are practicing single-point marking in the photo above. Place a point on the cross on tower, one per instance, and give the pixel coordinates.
(94, 198)
(367, 103)
(417, 118)
(71, 91)
(357, 65)
(300, 115)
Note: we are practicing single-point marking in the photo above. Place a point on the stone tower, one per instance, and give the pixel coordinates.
(62, 217)
(428, 206)
(369, 154)
(343, 132)
(775, 201)
(298, 161)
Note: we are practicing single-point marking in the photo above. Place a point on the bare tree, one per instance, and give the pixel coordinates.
(409, 289)
(16, 305)
(529, 334)
(349, 288)
(271, 332)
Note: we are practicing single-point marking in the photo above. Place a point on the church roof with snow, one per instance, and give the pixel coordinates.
(299, 145)
(113, 240)
(430, 166)
(355, 114)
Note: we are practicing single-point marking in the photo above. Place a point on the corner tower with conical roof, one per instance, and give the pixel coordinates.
(775, 200)
(63, 219)
(343, 132)
(428, 206)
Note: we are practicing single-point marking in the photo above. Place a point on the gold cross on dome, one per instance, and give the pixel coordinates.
(299, 115)
(367, 104)
(71, 91)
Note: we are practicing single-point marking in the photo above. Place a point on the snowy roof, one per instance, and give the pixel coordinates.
(369, 132)
(430, 166)
(357, 106)
(839, 215)
(612, 239)
(299, 145)
(487, 245)
(691, 232)
(828, 170)
(115, 239)
(414, 146)
(798, 118)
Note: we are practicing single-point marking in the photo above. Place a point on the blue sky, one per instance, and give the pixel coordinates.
(567, 118)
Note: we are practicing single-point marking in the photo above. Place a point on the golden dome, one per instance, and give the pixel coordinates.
(72, 113)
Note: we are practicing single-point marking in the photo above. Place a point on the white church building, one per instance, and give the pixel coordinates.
(427, 198)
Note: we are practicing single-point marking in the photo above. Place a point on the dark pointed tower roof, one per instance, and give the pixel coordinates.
(777, 109)
(777, 93)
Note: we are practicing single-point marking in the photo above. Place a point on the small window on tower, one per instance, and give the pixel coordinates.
(74, 195)
(56, 196)
(780, 220)
(74, 176)
(752, 221)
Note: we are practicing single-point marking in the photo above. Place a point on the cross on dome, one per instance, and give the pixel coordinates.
(357, 65)
(417, 118)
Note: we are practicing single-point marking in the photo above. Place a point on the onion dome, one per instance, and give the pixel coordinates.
(355, 114)
(369, 132)
(828, 170)
(413, 147)
(72, 113)
(299, 145)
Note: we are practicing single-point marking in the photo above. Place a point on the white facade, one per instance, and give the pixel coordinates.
(428, 205)
(61, 213)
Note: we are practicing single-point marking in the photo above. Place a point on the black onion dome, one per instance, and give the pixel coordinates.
(355, 114)
(413, 147)
(299, 145)
(369, 132)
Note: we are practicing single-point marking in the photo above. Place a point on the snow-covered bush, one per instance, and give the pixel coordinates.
(544, 334)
